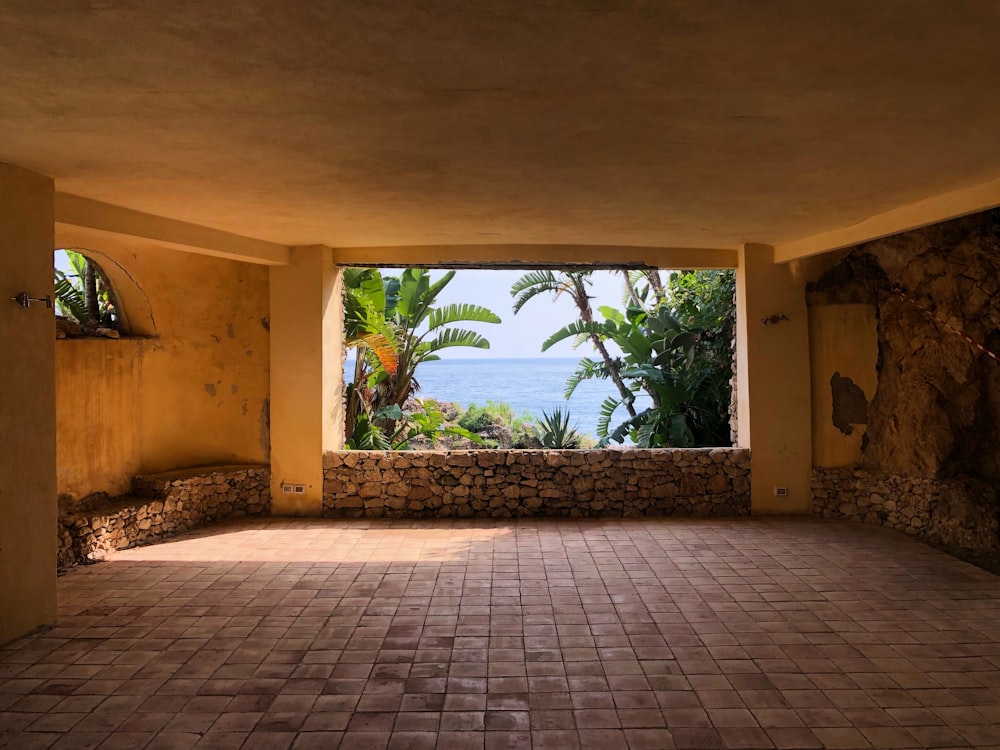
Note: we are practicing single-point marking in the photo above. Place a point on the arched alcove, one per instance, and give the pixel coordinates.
(124, 302)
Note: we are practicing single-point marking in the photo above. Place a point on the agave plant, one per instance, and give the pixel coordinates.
(555, 431)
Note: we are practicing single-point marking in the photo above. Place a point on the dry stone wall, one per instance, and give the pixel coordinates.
(161, 505)
(958, 515)
(517, 483)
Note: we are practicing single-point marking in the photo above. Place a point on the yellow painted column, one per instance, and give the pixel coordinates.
(27, 405)
(773, 381)
(307, 313)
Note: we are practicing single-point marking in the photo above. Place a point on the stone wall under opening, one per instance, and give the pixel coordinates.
(519, 483)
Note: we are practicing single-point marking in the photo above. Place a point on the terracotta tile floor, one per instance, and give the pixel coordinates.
(544, 634)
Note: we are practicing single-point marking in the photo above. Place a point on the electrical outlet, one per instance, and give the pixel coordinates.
(781, 492)
(287, 489)
(299, 489)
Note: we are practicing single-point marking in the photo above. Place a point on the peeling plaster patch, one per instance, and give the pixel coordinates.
(234, 389)
(245, 407)
(210, 389)
(850, 407)
(231, 331)
(217, 339)
(266, 322)
(249, 352)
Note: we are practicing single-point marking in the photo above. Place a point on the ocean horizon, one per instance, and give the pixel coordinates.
(530, 385)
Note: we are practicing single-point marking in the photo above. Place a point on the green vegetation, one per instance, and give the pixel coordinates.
(84, 294)
(499, 427)
(395, 325)
(556, 432)
(671, 342)
(675, 344)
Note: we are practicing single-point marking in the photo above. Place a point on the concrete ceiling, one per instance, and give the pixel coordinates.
(687, 123)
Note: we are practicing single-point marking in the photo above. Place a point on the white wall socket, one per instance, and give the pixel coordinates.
(781, 492)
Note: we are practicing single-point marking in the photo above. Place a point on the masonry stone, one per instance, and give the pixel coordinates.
(160, 506)
(517, 483)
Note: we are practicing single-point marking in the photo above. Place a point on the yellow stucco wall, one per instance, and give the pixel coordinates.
(98, 415)
(199, 387)
(843, 340)
(27, 407)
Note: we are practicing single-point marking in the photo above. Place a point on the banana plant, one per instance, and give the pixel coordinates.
(396, 325)
(658, 357)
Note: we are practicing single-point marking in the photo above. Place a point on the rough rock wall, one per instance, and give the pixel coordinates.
(958, 515)
(165, 504)
(933, 424)
(516, 483)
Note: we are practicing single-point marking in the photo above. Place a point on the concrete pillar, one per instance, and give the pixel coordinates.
(773, 381)
(28, 511)
(307, 409)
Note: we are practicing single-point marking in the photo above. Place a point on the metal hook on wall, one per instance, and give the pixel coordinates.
(24, 300)
(773, 319)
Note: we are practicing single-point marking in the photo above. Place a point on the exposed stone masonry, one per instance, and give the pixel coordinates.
(958, 515)
(163, 504)
(516, 483)
(931, 451)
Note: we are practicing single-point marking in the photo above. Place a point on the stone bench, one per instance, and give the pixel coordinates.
(160, 506)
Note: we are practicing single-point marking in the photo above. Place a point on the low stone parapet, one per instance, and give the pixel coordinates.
(161, 505)
(518, 483)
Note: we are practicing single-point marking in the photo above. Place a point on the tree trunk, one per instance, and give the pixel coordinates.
(587, 316)
(90, 293)
(631, 289)
(655, 284)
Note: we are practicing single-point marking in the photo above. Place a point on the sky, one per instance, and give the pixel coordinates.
(522, 335)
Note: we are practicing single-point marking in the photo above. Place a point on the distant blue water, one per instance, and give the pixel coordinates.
(528, 385)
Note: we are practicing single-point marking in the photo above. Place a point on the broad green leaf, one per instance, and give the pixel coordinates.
(457, 337)
(460, 312)
(611, 314)
(574, 329)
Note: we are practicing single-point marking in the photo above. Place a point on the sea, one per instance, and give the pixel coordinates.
(530, 385)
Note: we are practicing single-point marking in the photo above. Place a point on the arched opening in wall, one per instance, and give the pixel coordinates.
(567, 357)
(96, 297)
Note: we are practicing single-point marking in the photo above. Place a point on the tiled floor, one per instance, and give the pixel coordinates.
(544, 634)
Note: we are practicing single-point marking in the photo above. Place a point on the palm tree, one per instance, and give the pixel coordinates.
(679, 353)
(574, 284)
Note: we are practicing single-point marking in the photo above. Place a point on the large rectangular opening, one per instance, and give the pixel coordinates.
(550, 357)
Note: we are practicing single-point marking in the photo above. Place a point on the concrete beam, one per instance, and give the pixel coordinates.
(527, 256)
(74, 210)
(933, 210)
